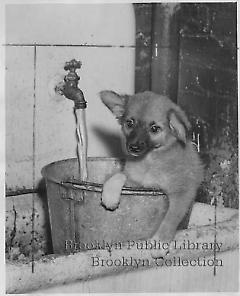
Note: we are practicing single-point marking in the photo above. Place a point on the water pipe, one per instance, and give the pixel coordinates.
(165, 49)
(69, 88)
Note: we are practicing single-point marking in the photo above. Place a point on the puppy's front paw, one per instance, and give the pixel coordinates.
(112, 191)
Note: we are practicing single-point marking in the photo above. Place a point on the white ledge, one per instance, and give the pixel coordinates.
(53, 270)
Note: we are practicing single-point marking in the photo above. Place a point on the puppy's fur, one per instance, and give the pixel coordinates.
(160, 154)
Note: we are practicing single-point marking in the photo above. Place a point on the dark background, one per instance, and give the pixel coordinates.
(201, 40)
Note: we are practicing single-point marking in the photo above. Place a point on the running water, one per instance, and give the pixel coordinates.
(69, 88)
(82, 142)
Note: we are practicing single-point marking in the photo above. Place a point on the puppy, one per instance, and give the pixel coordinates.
(160, 154)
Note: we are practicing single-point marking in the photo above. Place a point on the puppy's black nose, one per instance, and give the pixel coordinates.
(136, 147)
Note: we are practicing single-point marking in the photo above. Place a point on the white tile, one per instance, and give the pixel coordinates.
(103, 68)
(19, 116)
(101, 24)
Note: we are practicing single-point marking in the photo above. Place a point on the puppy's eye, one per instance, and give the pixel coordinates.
(155, 129)
(130, 123)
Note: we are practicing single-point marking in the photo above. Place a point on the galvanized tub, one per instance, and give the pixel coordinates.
(79, 221)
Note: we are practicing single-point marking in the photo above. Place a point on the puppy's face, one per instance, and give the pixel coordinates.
(149, 121)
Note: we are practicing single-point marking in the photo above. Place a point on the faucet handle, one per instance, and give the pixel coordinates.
(72, 65)
(72, 76)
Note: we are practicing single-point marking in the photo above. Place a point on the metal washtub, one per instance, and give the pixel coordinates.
(76, 213)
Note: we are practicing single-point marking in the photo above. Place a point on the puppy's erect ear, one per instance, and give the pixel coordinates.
(178, 124)
(114, 102)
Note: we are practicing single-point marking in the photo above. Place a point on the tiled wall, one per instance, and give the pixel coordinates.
(40, 39)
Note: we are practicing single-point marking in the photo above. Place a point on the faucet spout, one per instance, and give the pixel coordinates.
(69, 88)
